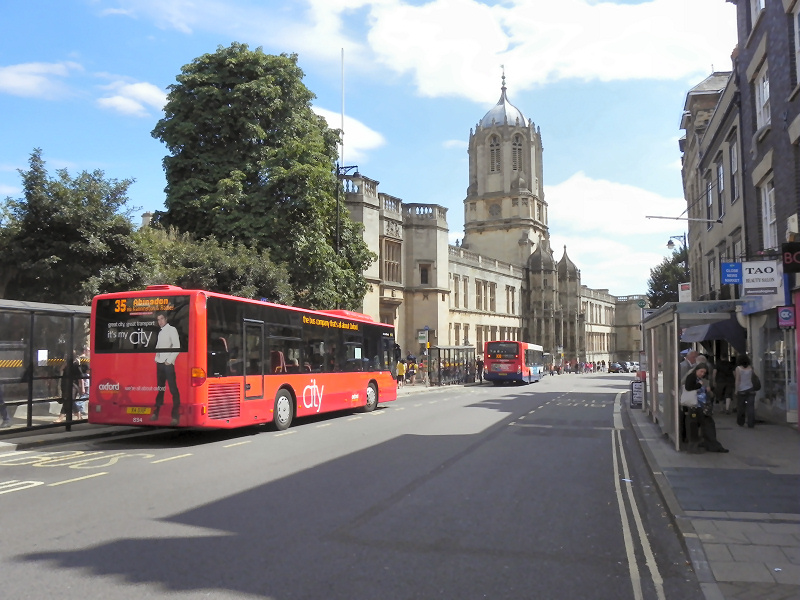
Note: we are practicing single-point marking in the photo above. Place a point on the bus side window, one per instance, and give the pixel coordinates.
(276, 362)
(218, 357)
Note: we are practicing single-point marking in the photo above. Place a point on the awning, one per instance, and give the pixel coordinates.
(728, 330)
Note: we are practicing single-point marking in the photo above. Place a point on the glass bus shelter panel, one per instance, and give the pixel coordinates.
(14, 353)
(35, 341)
(449, 365)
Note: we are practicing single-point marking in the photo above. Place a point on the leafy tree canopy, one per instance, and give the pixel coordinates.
(662, 287)
(251, 162)
(177, 259)
(67, 238)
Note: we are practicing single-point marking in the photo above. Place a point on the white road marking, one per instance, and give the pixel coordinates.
(170, 458)
(237, 444)
(617, 413)
(76, 479)
(619, 452)
(633, 568)
(6, 487)
(15, 453)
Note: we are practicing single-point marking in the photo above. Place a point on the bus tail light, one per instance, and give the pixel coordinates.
(519, 369)
(198, 376)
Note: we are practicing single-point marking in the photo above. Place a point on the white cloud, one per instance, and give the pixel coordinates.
(133, 98)
(358, 138)
(604, 226)
(456, 47)
(458, 144)
(8, 190)
(594, 206)
(36, 80)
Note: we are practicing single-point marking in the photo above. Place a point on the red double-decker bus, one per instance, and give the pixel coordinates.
(520, 362)
(191, 358)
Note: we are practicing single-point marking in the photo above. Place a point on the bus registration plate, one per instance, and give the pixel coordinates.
(138, 410)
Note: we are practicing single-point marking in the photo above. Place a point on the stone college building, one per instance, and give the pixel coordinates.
(503, 282)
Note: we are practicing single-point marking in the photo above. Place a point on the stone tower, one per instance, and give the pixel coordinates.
(505, 214)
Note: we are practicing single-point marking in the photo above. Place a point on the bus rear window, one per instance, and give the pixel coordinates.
(133, 325)
(502, 350)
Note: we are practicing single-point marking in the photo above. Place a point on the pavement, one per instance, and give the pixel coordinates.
(738, 514)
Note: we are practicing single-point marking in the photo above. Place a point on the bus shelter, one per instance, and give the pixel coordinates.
(36, 341)
(451, 364)
(662, 334)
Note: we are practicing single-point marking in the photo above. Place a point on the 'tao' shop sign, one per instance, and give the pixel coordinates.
(761, 278)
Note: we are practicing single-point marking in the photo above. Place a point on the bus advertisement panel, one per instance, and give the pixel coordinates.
(168, 356)
(512, 361)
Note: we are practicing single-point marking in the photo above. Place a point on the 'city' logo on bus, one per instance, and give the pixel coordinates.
(314, 394)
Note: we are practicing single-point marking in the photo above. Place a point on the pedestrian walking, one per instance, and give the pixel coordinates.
(745, 379)
(724, 383)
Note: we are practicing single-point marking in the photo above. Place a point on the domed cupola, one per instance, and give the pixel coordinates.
(566, 267)
(503, 113)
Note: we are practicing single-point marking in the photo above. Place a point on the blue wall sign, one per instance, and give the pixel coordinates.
(731, 272)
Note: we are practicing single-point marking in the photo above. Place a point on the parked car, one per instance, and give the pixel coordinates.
(617, 368)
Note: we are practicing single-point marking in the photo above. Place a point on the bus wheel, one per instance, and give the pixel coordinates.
(283, 411)
(372, 398)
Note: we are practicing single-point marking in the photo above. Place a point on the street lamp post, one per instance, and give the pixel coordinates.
(671, 245)
(680, 238)
(341, 172)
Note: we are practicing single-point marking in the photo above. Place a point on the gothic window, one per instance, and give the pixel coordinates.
(494, 154)
(391, 261)
(516, 153)
(494, 210)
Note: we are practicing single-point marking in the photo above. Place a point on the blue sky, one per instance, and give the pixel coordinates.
(85, 81)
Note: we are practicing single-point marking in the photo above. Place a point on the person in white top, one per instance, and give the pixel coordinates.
(165, 368)
(745, 395)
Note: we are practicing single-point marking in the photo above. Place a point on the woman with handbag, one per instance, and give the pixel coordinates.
(700, 417)
(746, 386)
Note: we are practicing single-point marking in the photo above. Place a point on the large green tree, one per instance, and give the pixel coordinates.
(67, 238)
(232, 268)
(662, 287)
(249, 161)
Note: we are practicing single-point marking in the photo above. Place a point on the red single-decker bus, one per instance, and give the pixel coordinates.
(506, 361)
(192, 358)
